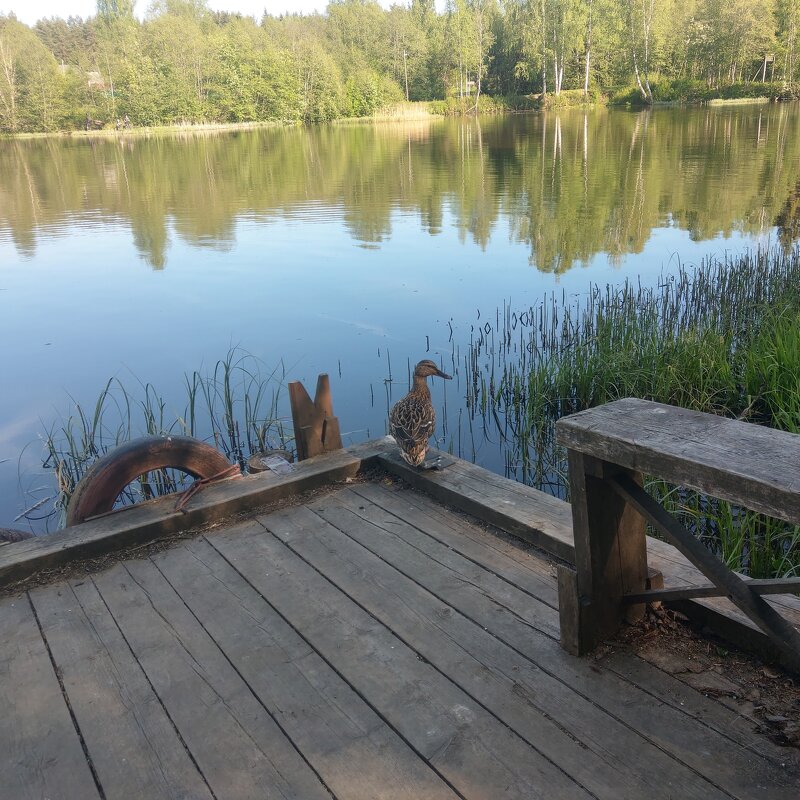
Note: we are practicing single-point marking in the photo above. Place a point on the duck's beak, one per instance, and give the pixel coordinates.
(444, 375)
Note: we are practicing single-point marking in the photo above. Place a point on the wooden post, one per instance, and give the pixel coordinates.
(610, 557)
(316, 429)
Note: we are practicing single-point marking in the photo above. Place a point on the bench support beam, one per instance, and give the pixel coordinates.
(610, 556)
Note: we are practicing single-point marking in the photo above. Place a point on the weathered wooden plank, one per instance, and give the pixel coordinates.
(667, 726)
(41, 754)
(758, 585)
(236, 744)
(157, 519)
(610, 556)
(465, 744)
(504, 556)
(587, 742)
(782, 633)
(481, 546)
(134, 748)
(553, 533)
(356, 754)
(681, 570)
(357, 516)
(748, 464)
(707, 710)
(546, 522)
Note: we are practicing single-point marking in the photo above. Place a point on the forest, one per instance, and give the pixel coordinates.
(184, 63)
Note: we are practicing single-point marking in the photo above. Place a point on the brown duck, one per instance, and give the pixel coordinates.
(412, 420)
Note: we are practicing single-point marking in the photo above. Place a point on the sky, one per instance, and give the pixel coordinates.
(28, 11)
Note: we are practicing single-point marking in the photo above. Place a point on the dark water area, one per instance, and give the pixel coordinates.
(350, 249)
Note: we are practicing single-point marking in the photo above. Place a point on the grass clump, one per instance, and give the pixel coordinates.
(486, 104)
(724, 338)
(234, 406)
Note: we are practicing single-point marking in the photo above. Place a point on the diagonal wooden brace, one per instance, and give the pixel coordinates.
(784, 635)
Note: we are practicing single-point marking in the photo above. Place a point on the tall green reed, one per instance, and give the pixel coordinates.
(722, 338)
(234, 406)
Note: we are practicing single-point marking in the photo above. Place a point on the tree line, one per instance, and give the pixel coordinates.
(185, 63)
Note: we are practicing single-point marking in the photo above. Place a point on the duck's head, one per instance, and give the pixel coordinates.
(426, 368)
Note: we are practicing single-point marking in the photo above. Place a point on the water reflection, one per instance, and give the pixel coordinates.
(570, 186)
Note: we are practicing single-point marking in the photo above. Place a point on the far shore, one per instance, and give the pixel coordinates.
(399, 113)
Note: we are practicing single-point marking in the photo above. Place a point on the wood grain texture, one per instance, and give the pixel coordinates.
(547, 522)
(232, 738)
(156, 519)
(748, 464)
(659, 723)
(41, 754)
(534, 516)
(133, 745)
(322, 715)
(462, 741)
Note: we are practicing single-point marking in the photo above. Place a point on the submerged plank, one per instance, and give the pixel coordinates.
(355, 753)
(41, 754)
(465, 744)
(236, 744)
(134, 748)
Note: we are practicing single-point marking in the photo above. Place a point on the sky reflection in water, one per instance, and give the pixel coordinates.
(340, 248)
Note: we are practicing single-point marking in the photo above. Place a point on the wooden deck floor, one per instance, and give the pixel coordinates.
(368, 645)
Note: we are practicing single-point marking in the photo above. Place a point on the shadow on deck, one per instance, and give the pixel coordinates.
(369, 642)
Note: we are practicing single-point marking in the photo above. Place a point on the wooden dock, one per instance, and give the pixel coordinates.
(369, 641)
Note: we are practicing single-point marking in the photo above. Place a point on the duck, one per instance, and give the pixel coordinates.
(412, 420)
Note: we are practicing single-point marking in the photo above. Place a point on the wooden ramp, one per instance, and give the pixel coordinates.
(368, 643)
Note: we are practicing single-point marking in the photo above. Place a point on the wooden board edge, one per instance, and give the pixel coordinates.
(426, 481)
(719, 621)
(157, 519)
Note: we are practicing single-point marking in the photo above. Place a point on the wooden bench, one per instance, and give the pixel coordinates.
(610, 448)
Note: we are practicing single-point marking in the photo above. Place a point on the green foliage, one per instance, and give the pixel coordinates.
(486, 104)
(235, 406)
(571, 98)
(186, 63)
(724, 339)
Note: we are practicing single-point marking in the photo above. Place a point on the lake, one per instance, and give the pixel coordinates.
(349, 249)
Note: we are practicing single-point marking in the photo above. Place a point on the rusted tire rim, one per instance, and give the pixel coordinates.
(104, 481)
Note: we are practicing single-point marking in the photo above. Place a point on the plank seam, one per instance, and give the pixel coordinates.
(244, 680)
(452, 548)
(538, 666)
(155, 693)
(65, 695)
(464, 578)
(426, 661)
(681, 709)
(331, 666)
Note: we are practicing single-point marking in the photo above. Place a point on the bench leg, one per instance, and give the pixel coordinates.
(610, 557)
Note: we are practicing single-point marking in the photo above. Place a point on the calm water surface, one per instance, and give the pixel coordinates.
(352, 250)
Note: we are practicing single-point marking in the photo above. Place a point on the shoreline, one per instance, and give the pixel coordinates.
(403, 112)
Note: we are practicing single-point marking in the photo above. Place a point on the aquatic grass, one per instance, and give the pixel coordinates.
(721, 338)
(235, 406)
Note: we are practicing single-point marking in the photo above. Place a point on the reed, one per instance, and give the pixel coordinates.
(722, 338)
(234, 405)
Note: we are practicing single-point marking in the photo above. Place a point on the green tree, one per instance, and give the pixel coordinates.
(110, 10)
(31, 85)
